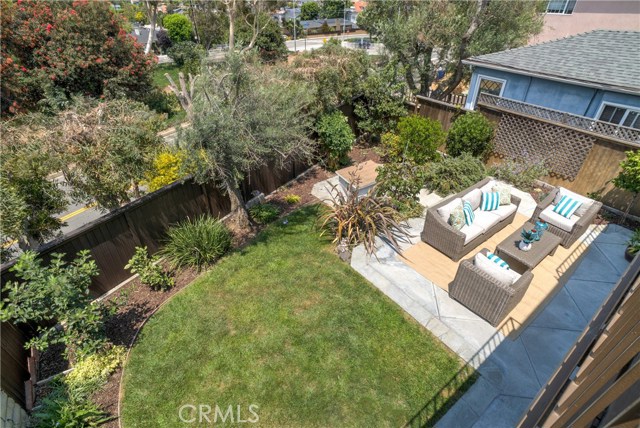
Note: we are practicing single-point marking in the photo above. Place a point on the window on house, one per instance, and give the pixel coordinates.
(620, 115)
(564, 7)
(488, 86)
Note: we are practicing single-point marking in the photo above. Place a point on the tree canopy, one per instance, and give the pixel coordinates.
(55, 50)
(178, 26)
(244, 116)
(425, 34)
(309, 10)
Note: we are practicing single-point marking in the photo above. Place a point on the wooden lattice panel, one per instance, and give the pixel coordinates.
(564, 150)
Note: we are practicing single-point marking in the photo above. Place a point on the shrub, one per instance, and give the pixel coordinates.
(417, 140)
(520, 173)
(188, 56)
(292, 199)
(59, 409)
(162, 102)
(264, 213)
(629, 177)
(166, 170)
(336, 137)
(57, 293)
(196, 243)
(163, 41)
(355, 219)
(453, 175)
(470, 133)
(178, 26)
(407, 209)
(634, 242)
(402, 181)
(92, 372)
(149, 270)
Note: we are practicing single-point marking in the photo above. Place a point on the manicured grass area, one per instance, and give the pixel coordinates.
(285, 325)
(159, 78)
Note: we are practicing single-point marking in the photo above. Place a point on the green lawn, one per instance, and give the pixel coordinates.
(159, 78)
(285, 325)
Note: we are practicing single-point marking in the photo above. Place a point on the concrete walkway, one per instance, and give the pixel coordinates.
(511, 371)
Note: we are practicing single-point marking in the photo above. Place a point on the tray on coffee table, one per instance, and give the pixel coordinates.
(508, 249)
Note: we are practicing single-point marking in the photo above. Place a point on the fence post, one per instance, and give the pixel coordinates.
(206, 197)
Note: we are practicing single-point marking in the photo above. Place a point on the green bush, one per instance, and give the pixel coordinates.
(407, 209)
(187, 56)
(264, 213)
(60, 408)
(401, 181)
(56, 293)
(453, 175)
(178, 26)
(149, 270)
(520, 173)
(634, 242)
(417, 140)
(470, 133)
(336, 137)
(93, 371)
(196, 243)
(292, 199)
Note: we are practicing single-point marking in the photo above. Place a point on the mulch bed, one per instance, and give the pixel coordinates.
(137, 302)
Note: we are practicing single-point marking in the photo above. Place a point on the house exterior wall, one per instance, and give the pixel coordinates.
(576, 99)
(590, 15)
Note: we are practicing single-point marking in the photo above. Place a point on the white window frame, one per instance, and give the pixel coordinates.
(604, 104)
(564, 11)
(479, 81)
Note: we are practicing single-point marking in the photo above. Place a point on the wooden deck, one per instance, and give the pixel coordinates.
(549, 276)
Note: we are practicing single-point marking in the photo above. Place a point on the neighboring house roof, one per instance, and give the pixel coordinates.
(601, 58)
(142, 34)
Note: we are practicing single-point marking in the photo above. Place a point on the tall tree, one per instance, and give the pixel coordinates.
(334, 8)
(425, 34)
(309, 10)
(244, 116)
(54, 50)
(210, 19)
(178, 26)
(151, 8)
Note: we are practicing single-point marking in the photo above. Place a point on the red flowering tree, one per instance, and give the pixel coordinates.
(53, 50)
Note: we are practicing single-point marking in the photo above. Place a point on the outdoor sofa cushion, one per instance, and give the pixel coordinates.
(505, 276)
(490, 201)
(471, 232)
(473, 197)
(503, 211)
(586, 202)
(445, 211)
(558, 220)
(485, 219)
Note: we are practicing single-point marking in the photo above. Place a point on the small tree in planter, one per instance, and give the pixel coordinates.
(629, 178)
(336, 137)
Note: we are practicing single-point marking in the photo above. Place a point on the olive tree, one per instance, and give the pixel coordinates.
(244, 116)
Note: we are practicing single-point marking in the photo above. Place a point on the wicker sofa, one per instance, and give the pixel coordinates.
(569, 230)
(454, 243)
(484, 295)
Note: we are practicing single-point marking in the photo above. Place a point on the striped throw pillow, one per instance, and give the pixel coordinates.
(497, 260)
(567, 206)
(469, 216)
(490, 201)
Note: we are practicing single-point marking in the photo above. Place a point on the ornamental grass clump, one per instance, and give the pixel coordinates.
(354, 219)
(196, 243)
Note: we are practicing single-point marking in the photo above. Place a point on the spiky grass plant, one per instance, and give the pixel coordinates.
(196, 243)
(357, 219)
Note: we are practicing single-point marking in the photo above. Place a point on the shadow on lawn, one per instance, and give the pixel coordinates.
(452, 391)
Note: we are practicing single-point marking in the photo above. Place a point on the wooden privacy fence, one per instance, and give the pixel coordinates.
(582, 160)
(112, 240)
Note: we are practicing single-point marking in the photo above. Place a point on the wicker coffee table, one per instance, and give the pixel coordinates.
(508, 249)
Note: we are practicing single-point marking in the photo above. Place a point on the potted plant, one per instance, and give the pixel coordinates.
(528, 236)
(633, 246)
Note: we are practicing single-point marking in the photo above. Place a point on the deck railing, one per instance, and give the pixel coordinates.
(605, 129)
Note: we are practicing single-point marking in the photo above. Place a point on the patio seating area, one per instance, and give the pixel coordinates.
(517, 357)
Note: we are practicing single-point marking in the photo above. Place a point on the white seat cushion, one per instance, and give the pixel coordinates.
(505, 276)
(485, 219)
(487, 187)
(503, 211)
(471, 232)
(558, 220)
(446, 210)
(473, 197)
(586, 202)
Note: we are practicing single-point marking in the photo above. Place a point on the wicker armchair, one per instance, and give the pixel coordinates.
(484, 295)
(449, 241)
(568, 238)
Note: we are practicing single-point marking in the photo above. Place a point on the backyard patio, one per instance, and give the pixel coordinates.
(516, 358)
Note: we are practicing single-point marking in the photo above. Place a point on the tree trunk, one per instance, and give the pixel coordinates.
(239, 217)
(152, 7)
(231, 13)
(626, 212)
(456, 78)
(425, 72)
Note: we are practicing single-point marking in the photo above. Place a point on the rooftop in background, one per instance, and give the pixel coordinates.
(601, 58)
